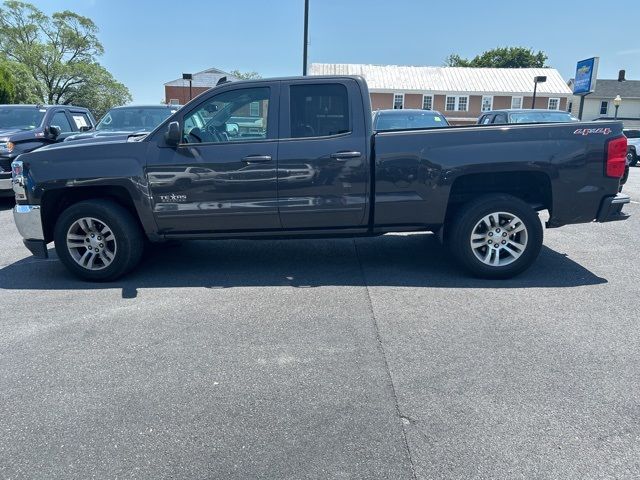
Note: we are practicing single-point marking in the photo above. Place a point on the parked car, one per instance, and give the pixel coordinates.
(633, 145)
(501, 117)
(24, 128)
(406, 119)
(480, 187)
(122, 122)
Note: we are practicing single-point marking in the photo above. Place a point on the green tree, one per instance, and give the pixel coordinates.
(7, 84)
(501, 57)
(59, 53)
(245, 75)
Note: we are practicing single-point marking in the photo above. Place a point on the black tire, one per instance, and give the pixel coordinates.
(128, 236)
(466, 222)
(633, 157)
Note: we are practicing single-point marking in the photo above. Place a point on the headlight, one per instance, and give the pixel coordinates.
(10, 146)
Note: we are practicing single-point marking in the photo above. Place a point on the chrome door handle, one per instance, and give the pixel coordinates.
(256, 158)
(345, 155)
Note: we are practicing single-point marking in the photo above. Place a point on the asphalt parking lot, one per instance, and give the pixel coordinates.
(373, 358)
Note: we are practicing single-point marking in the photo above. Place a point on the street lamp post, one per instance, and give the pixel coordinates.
(616, 103)
(306, 37)
(536, 80)
(188, 76)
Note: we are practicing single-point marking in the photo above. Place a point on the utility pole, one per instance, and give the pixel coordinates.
(306, 37)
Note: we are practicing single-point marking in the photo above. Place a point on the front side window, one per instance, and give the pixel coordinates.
(227, 117)
(60, 120)
(554, 104)
(319, 110)
(500, 119)
(427, 102)
(487, 103)
(516, 102)
(604, 107)
(398, 101)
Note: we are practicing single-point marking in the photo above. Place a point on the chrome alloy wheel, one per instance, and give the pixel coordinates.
(91, 243)
(499, 239)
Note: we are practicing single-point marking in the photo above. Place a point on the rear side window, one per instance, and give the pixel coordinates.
(60, 120)
(81, 120)
(319, 110)
(501, 118)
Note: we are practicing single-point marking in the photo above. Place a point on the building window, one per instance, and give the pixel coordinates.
(459, 104)
(569, 107)
(604, 107)
(516, 102)
(254, 109)
(554, 104)
(398, 101)
(487, 103)
(174, 101)
(427, 102)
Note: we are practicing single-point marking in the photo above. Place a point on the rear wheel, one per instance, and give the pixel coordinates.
(632, 158)
(98, 240)
(496, 236)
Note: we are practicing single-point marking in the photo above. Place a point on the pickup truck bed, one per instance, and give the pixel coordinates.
(312, 166)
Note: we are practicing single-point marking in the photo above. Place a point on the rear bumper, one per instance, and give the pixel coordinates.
(29, 224)
(611, 208)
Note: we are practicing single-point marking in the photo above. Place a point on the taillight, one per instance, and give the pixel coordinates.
(616, 157)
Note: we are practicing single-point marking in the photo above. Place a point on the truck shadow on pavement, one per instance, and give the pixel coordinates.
(393, 260)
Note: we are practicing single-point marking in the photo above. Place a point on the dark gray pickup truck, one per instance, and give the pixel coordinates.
(296, 157)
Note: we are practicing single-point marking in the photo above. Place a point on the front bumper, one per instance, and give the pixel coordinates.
(611, 208)
(29, 223)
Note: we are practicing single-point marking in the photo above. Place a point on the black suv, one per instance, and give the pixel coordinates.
(24, 128)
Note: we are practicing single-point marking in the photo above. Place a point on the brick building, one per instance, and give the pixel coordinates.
(461, 94)
(177, 91)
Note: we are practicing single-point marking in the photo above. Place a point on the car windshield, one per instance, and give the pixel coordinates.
(405, 120)
(541, 117)
(632, 133)
(21, 118)
(134, 119)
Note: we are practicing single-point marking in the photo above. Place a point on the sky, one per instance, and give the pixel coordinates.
(148, 43)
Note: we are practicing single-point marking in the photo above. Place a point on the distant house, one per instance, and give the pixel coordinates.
(177, 91)
(599, 104)
(461, 94)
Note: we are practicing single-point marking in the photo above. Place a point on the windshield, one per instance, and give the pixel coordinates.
(401, 121)
(22, 118)
(541, 117)
(134, 119)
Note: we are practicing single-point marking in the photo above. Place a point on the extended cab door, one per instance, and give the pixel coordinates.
(222, 176)
(323, 173)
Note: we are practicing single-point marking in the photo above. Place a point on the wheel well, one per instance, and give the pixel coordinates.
(531, 187)
(56, 201)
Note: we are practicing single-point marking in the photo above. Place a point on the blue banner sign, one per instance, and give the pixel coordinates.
(586, 71)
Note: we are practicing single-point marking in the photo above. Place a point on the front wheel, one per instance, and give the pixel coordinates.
(98, 240)
(496, 236)
(632, 159)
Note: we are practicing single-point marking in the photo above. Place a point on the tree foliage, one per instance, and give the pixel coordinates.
(501, 57)
(59, 55)
(245, 75)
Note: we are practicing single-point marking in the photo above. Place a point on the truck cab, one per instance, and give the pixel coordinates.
(24, 128)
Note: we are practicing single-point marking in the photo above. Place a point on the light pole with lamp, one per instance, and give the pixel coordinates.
(188, 76)
(536, 80)
(616, 103)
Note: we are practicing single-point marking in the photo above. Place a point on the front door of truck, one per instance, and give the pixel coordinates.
(222, 176)
(323, 172)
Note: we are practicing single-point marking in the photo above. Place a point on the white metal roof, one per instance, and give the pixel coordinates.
(403, 78)
(207, 78)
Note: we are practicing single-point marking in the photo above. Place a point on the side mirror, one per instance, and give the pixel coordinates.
(53, 131)
(233, 129)
(173, 135)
